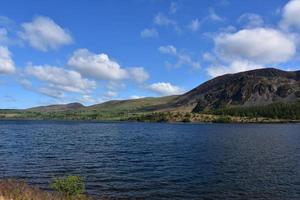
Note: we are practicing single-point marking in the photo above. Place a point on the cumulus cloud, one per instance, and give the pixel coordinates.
(44, 34)
(233, 67)
(260, 45)
(138, 74)
(251, 20)
(101, 67)
(98, 66)
(163, 88)
(183, 58)
(149, 33)
(61, 79)
(7, 65)
(291, 15)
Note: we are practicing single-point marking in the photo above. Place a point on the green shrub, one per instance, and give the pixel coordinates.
(72, 186)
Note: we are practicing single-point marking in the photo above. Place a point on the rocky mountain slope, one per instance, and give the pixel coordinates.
(252, 88)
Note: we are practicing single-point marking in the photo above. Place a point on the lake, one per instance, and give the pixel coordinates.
(157, 160)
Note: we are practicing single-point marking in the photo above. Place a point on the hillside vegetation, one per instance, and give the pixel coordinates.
(253, 96)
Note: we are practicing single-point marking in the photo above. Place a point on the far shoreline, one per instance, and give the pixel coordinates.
(155, 122)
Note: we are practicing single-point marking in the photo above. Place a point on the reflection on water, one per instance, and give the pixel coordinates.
(157, 161)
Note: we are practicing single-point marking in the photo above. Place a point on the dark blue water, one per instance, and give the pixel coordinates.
(157, 161)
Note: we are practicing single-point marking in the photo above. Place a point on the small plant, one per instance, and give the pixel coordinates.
(71, 186)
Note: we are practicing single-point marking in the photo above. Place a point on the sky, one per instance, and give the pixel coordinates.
(54, 52)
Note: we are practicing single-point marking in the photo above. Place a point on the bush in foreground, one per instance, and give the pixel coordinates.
(71, 186)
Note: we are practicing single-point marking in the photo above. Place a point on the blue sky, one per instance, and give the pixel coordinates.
(93, 51)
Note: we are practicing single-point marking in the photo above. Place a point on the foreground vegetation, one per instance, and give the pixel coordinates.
(66, 188)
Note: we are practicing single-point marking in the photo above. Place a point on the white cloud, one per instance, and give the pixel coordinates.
(61, 79)
(260, 45)
(98, 66)
(44, 34)
(101, 67)
(7, 65)
(110, 94)
(183, 58)
(234, 67)
(163, 88)
(169, 49)
(251, 20)
(291, 15)
(194, 24)
(149, 33)
(138, 74)
(162, 20)
(136, 97)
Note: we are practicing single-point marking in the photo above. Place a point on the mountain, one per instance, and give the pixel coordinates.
(245, 89)
(268, 93)
(58, 107)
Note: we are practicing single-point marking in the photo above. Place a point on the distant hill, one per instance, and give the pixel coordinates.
(257, 93)
(58, 107)
(245, 89)
(134, 105)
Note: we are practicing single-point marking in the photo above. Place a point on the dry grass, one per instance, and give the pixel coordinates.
(18, 190)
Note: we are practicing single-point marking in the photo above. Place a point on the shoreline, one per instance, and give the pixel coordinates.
(269, 121)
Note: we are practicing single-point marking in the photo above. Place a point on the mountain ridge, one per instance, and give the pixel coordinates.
(261, 95)
(250, 88)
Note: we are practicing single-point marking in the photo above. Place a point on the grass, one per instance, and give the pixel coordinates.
(19, 190)
(64, 188)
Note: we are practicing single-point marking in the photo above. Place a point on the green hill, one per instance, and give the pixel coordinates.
(263, 93)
